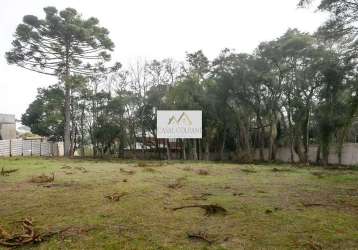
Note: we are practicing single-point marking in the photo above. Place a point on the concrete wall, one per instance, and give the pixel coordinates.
(349, 154)
(19, 147)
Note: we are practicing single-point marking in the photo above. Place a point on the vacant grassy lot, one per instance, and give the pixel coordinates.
(268, 207)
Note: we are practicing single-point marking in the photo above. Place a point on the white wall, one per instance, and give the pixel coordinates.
(349, 154)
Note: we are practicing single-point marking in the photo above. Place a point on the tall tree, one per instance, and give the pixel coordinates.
(63, 44)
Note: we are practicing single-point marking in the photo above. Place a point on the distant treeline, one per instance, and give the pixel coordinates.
(293, 91)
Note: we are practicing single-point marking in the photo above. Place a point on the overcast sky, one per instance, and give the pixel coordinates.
(149, 29)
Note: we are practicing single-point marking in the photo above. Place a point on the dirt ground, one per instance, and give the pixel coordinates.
(88, 204)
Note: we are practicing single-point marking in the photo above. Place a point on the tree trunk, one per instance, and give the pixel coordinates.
(222, 149)
(342, 134)
(325, 154)
(261, 137)
(318, 155)
(67, 129)
(200, 155)
(194, 150)
(305, 131)
(183, 149)
(67, 132)
(168, 150)
(82, 132)
(245, 137)
(262, 143)
(271, 151)
(157, 147)
(291, 136)
(298, 149)
(207, 151)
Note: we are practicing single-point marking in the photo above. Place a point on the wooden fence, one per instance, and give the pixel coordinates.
(19, 147)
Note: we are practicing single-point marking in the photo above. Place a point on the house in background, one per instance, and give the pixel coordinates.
(7, 127)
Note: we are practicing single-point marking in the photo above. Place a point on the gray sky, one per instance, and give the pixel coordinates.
(149, 29)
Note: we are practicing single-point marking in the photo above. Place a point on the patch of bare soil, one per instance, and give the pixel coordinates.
(319, 174)
(187, 168)
(43, 178)
(212, 209)
(144, 164)
(203, 172)
(177, 183)
(61, 185)
(150, 170)
(75, 231)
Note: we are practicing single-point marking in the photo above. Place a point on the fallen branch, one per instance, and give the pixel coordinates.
(127, 171)
(27, 236)
(281, 170)
(313, 245)
(115, 196)
(209, 209)
(313, 205)
(248, 170)
(7, 172)
(82, 169)
(200, 236)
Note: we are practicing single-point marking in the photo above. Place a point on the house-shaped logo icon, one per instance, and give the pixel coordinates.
(183, 120)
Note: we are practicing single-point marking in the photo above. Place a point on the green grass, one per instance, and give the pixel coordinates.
(267, 209)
